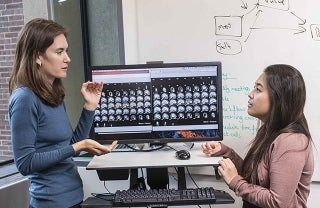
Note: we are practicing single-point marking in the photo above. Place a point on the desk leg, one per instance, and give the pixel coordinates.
(181, 178)
(133, 178)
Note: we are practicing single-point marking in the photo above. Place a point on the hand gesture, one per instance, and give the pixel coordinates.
(91, 92)
(227, 170)
(210, 148)
(93, 147)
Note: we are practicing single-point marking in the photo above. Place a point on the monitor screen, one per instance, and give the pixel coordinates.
(159, 103)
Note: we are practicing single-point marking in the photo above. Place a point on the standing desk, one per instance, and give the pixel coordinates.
(157, 158)
(153, 159)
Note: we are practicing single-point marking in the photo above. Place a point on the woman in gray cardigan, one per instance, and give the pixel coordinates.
(278, 167)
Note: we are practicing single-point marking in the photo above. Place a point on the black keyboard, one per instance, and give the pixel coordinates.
(171, 197)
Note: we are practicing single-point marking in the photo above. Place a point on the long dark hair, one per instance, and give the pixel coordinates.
(287, 94)
(34, 39)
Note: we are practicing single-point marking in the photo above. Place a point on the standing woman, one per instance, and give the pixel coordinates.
(42, 137)
(278, 167)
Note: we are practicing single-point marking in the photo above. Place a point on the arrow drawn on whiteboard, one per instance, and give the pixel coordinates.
(257, 15)
(256, 6)
(301, 30)
(303, 22)
(298, 30)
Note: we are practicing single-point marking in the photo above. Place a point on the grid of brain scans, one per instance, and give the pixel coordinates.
(182, 101)
(124, 104)
(169, 104)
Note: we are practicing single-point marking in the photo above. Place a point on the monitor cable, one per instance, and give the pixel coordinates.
(146, 150)
(192, 179)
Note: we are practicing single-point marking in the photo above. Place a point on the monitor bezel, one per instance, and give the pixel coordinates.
(101, 139)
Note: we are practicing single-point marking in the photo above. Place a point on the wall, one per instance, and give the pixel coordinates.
(245, 36)
(40, 6)
(104, 32)
(11, 21)
(68, 14)
(16, 193)
(186, 30)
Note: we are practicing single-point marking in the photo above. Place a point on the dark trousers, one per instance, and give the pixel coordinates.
(75, 206)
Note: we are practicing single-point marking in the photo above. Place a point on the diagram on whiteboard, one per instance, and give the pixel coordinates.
(233, 33)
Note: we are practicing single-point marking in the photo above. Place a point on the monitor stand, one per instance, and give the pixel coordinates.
(158, 178)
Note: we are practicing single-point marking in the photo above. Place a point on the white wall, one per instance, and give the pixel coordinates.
(252, 38)
(313, 201)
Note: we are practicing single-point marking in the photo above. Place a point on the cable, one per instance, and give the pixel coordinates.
(147, 150)
(185, 144)
(155, 149)
(192, 177)
(105, 186)
(103, 196)
(171, 147)
(195, 183)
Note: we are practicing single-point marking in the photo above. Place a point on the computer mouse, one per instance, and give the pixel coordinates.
(183, 154)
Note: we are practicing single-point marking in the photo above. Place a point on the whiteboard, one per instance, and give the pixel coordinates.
(245, 35)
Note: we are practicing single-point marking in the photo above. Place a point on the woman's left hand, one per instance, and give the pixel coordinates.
(93, 147)
(91, 92)
(227, 170)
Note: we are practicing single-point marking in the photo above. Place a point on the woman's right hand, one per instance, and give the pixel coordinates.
(211, 147)
(93, 147)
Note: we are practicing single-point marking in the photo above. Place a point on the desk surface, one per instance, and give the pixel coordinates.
(157, 158)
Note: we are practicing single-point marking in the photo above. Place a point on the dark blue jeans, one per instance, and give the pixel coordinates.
(75, 206)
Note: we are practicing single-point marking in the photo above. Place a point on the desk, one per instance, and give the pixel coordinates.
(154, 159)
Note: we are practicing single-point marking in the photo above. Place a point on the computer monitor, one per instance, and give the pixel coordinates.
(159, 103)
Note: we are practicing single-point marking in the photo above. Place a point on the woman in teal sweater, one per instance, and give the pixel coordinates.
(42, 137)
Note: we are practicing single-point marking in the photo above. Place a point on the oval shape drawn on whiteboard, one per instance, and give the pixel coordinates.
(228, 46)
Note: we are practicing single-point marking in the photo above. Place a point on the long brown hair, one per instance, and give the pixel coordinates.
(34, 39)
(287, 94)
